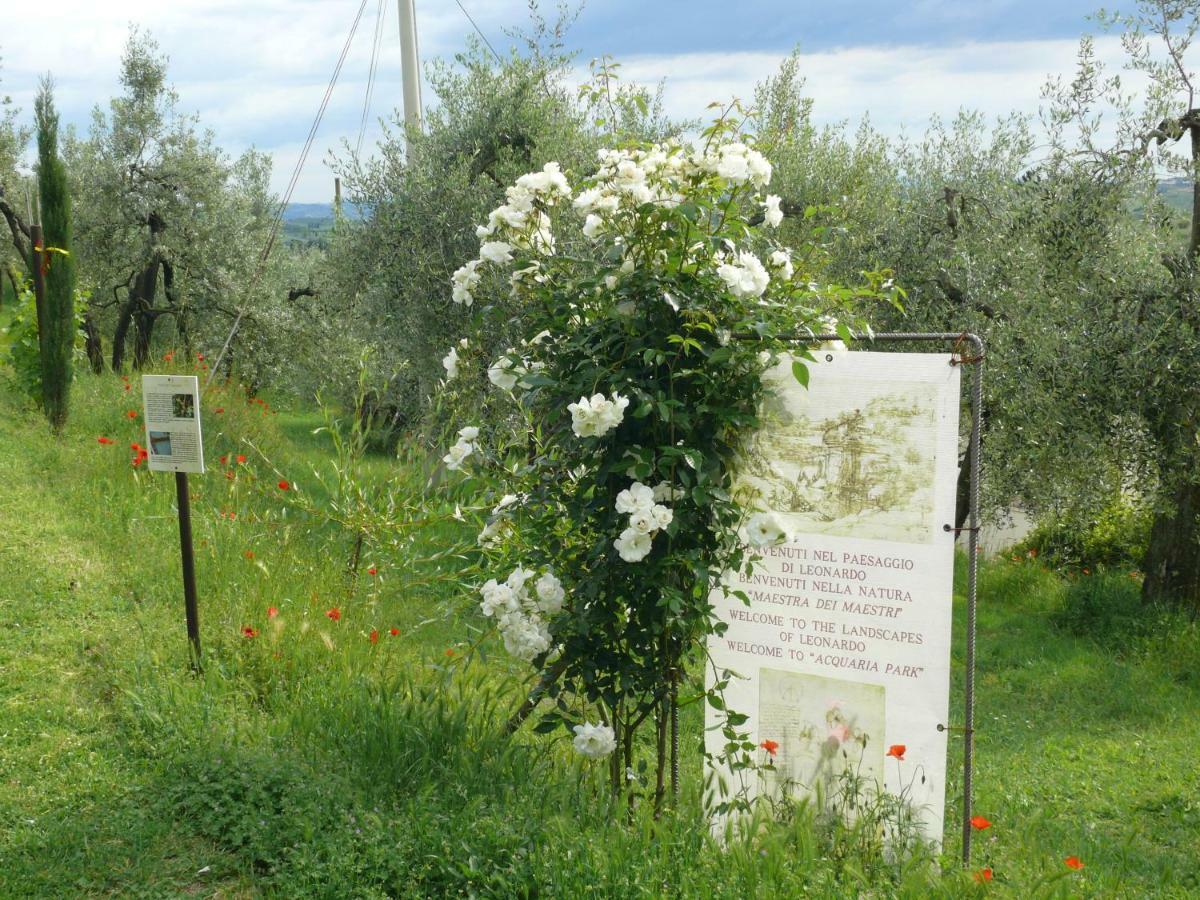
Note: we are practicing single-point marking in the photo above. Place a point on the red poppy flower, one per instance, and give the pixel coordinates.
(135, 447)
(979, 823)
(1073, 862)
(229, 474)
(284, 484)
(224, 460)
(128, 386)
(374, 635)
(394, 632)
(770, 746)
(372, 571)
(241, 458)
(272, 612)
(449, 651)
(1086, 572)
(169, 356)
(249, 632)
(105, 441)
(200, 357)
(896, 750)
(219, 409)
(249, 554)
(983, 876)
(1033, 553)
(334, 613)
(132, 414)
(136, 461)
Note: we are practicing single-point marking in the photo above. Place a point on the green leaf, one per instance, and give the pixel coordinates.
(800, 372)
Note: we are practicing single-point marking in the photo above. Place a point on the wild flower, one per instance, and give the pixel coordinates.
(594, 741)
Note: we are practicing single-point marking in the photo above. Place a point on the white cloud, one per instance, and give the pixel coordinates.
(255, 73)
(899, 87)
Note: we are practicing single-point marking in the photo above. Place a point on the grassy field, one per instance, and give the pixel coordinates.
(308, 760)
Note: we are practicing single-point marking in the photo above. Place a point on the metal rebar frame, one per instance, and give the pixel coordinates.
(958, 339)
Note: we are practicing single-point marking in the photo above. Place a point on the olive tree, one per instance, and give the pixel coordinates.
(168, 227)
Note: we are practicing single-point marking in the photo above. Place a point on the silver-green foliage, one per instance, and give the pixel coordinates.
(169, 228)
(493, 121)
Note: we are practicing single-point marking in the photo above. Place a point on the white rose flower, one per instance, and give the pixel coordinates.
(662, 515)
(760, 169)
(772, 214)
(463, 281)
(469, 433)
(636, 498)
(459, 452)
(746, 277)
(764, 530)
(526, 639)
(585, 202)
(732, 165)
(643, 522)
(594, 741)
(450, 364)
(592, 226)
(464, 343)
(501, 374)
(497, 598)
(598, 415)
(517, 579)
(496, 252)
(550, 593)
(633, 546)
(490, 536)
(506, 501)
(781, 261)
(625, 308)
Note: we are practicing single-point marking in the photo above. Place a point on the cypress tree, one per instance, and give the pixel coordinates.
(57, 262)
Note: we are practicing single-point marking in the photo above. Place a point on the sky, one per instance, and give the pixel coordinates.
(255, 72)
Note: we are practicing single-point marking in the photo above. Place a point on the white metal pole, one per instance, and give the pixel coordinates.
(410, 66)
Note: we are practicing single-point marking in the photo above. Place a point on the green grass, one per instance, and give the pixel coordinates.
(308, 761)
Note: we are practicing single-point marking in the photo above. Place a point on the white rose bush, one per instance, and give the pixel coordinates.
(654, 307)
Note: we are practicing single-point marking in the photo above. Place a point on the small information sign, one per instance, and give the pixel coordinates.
(172, 414)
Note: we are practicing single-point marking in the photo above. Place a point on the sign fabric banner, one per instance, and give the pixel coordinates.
(840, 636)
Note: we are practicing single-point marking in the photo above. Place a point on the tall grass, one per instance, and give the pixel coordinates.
(310, 761)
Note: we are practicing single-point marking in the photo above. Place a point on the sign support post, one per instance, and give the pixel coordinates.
(191, 608)
(173, 444)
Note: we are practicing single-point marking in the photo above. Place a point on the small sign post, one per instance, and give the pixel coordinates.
(171, 405)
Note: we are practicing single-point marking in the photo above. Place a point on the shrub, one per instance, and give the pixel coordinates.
(1114, 538)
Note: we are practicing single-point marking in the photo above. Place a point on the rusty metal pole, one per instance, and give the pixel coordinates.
(190, 606)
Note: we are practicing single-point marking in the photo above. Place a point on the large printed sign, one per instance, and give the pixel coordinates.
(842, 652)
(171, 406)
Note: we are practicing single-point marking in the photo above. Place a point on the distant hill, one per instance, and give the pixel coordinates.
(1177, 193)
(308, 224)
(303, 212)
